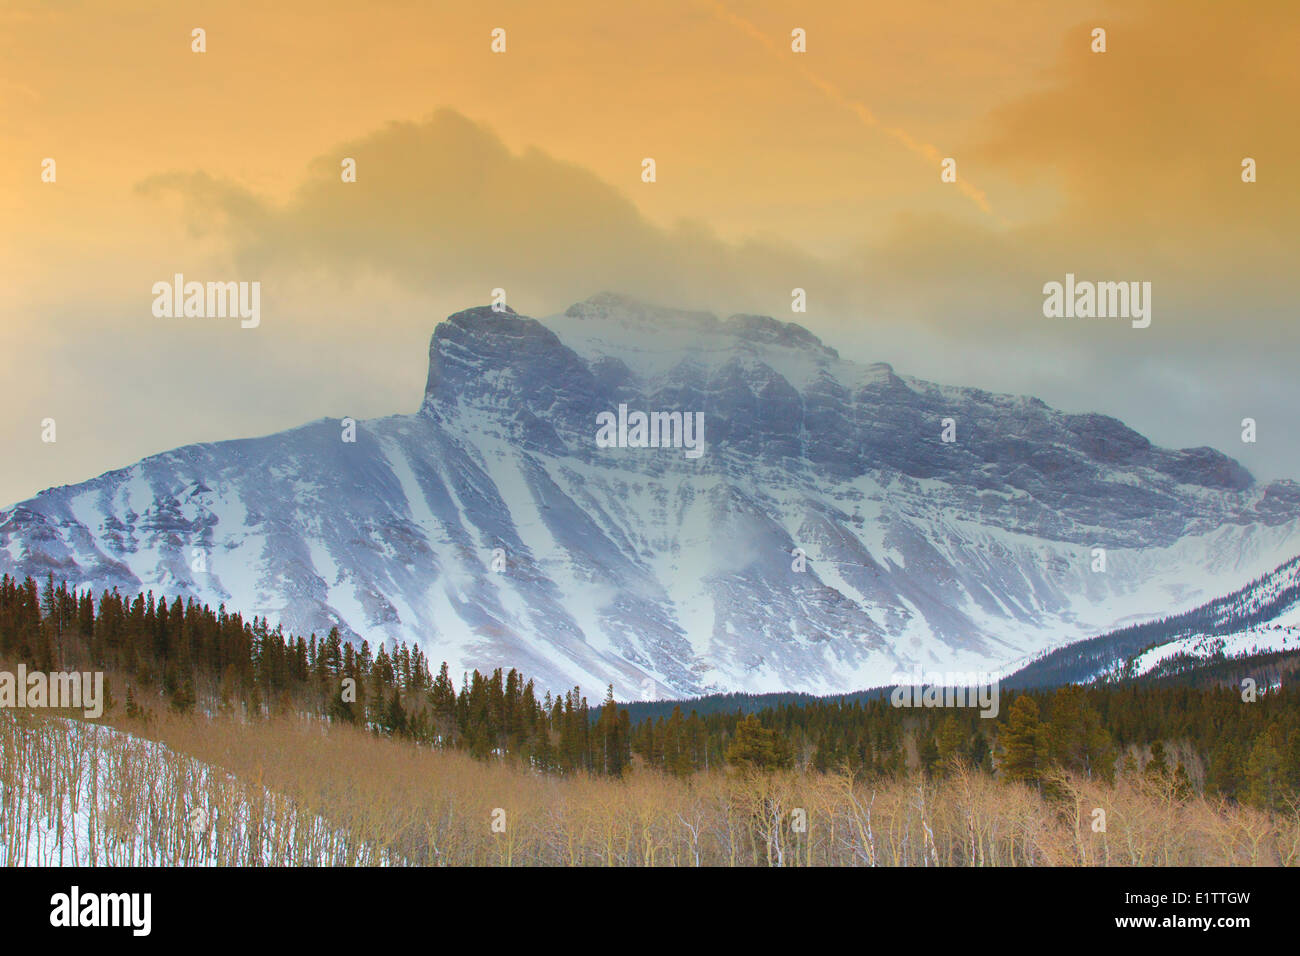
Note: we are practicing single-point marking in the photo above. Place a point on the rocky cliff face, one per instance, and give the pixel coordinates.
(827, 537)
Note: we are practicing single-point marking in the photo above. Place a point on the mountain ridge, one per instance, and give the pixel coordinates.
(660, 574)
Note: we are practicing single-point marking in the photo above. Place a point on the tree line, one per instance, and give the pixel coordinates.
(188, 655)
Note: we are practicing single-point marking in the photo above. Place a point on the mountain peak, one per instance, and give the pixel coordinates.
(764, 329)
(503, 359)
(624, 310)
(607, 309)
(772, 390)
(482, 334)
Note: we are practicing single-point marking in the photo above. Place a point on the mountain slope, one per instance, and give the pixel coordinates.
(1261, 618)
(661, 573)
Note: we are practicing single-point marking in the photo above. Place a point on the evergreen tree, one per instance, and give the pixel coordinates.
(756, 747)
(1158, 766)
(395, 720)
(1076, 739)
(1024, 743)
(1265, 775)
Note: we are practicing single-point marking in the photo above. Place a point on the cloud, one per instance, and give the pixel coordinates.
(445, 211)
(443, 205)
(1123, 165)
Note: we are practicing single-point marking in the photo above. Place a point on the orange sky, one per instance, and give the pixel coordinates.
(522, 170)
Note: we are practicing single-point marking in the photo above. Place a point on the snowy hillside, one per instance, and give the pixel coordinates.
(1248, 643)
(1262, 617)
(77, 794)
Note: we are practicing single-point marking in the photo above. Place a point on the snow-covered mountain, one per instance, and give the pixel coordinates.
(1260, 618)
(659, 572)
(1252, 641)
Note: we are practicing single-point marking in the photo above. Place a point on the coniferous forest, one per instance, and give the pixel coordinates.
(189, 658)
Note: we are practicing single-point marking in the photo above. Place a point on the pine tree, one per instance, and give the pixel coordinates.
(1158, 766)
(950, 744)
(929, 755)
(395, 720)
(612, 746)
(1024, 743)
(1265, 781)
(182, 698)
(756, 747)
(1076, 739)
